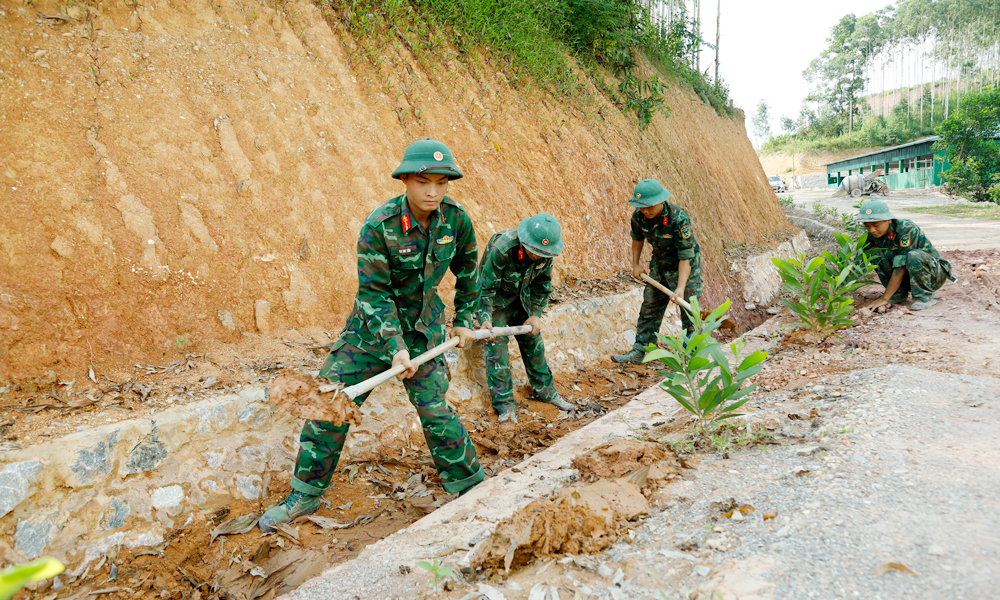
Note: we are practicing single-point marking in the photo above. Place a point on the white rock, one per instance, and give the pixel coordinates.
(737, 516)
(715, 543)
(166, 497)
(935, 550)
(605, 571)
(703, 571)
(806, 450)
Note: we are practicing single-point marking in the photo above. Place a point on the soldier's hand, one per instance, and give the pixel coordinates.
(403, 358)
(489, 326)
(465, 336)
(536, 324)
(638, 270)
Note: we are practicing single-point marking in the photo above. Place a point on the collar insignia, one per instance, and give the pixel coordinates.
(520, 254)
(406, 222)
(666, 220)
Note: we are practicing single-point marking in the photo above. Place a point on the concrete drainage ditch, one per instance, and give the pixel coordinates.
(106, 496)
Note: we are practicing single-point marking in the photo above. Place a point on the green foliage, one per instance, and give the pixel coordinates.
(969, 138)
(436, 569)
(786, 201)
(822, 294)
(13, 579)
(851, 255)
(699, 375)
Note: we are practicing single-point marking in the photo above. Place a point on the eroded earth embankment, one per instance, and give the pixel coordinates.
(180, 174)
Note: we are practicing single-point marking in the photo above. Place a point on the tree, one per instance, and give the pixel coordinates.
(787, 124)
(762, 122)
(969, 136)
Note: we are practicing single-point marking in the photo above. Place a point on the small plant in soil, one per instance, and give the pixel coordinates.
(699, 375)
(12, 579)
(436, 569)
(822, 295)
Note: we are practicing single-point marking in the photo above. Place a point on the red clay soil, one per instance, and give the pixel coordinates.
(167, 166)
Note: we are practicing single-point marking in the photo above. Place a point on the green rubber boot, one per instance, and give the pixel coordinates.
(294, 506)
(558, 402)
(634, 356)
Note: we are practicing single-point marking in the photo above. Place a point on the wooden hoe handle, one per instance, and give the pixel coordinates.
(664, 289)
(367, 385)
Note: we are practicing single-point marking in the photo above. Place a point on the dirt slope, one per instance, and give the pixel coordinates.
(807, 163)
(165, 166)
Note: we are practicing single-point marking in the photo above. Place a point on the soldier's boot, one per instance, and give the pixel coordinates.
(923, 303)
(294, 506)
(507, 412)
(899, 297)
(634, 356)
(558, 402)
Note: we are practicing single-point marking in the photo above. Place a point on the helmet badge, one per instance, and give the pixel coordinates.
(868, 212)
(438, 156)
(545, 242)
(638, 196)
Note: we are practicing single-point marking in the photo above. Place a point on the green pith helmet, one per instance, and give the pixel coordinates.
(541, 235)
(648, 192)
(873, 210)
(430, 157)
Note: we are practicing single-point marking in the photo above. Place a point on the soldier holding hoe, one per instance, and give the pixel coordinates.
(515, 276)
(676, 261)
(404, 248)
(905, 260)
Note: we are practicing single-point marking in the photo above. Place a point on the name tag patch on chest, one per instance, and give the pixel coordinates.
(406, 251)
(446, 240)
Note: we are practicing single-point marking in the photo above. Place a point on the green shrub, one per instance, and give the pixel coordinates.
(822, 295)
(851, 255)
(698, 373)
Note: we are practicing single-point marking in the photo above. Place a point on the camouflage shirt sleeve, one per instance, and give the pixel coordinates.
(464, 267)
(490, 278)
(636, 233)
(541, 289)
(910, 238)
(684, 239)
(375, 289)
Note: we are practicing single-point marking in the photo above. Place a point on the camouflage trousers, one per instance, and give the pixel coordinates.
(654, 302)
(497, 357)
(321, 443)
(925, 274)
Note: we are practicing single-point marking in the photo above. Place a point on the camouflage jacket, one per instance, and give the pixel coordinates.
(508, 276)
(890, 250)
(399, 269)
(670, 235)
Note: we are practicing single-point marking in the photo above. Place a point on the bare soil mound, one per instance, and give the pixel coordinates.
(812, 162)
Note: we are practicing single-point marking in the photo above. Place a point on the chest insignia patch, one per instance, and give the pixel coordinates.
(446, 240)
(905, 241)
(686, 231)
(405, 251)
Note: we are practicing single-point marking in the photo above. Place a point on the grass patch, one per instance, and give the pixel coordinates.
(981, 210)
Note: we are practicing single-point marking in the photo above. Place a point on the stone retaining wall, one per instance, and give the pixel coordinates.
(129, 482)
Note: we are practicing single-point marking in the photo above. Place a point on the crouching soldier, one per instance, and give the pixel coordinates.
(905, 260)
(515, 277)
(404, 248)
(676, 261)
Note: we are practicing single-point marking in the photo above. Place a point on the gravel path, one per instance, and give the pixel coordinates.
(910, 477)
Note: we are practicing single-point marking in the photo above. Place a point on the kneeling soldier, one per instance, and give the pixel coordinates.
(905, 260)
(676, 261)
(515, 276)
(404, 248)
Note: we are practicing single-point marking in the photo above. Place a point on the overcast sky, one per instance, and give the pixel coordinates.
(767, 44)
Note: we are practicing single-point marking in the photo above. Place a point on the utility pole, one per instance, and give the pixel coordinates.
(718, 21)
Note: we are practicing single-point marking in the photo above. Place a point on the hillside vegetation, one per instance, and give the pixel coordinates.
(895, 75)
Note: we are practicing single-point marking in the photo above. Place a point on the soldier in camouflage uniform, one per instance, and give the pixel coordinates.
(905, 260)
(404, 248)
(676, 261)
(515, 276)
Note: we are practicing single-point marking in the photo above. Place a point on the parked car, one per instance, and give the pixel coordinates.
(777, 184)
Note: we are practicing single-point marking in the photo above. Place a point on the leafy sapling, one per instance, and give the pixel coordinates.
(698, 373)
(436, 569)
